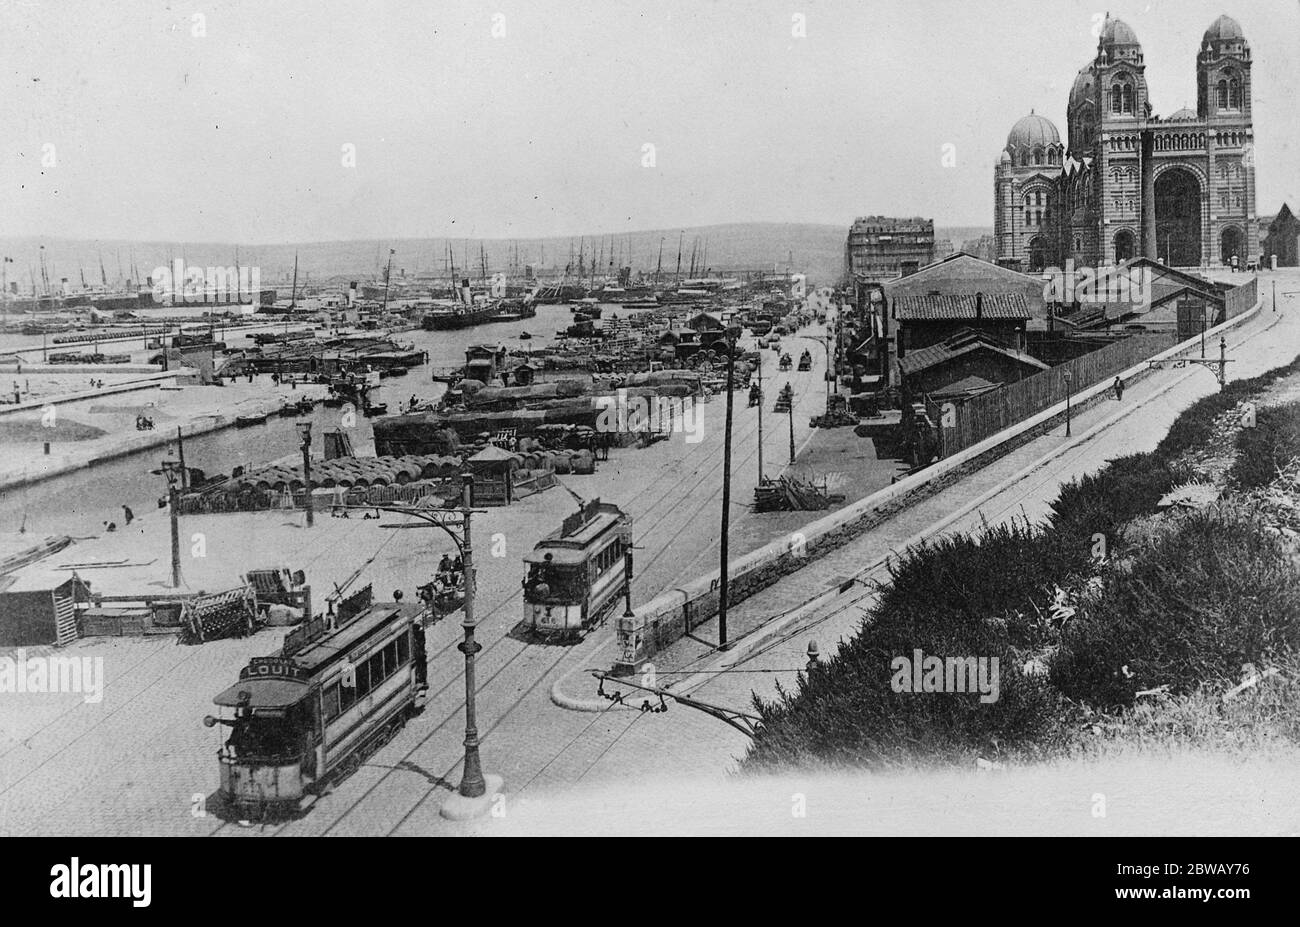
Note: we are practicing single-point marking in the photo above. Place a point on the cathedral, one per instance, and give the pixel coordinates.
(1128, 183)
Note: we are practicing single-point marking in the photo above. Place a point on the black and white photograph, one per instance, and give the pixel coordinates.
(674, 418)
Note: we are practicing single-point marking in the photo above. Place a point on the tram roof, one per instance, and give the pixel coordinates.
(324, 649)
(264, 693)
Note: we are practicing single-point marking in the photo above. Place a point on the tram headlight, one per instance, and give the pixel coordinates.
(209, 721)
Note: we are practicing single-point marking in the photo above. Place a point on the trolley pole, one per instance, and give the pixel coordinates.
(726, 496)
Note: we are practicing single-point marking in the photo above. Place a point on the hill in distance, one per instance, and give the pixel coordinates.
(814, 249)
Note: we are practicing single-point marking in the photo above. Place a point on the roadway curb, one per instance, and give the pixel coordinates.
(974, 452)
(778, 623)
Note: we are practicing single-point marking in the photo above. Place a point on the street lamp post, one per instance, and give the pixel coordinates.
(472, 783)
(1068, 379)
(304, 429)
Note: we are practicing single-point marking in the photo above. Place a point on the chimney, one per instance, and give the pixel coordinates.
(979, 307)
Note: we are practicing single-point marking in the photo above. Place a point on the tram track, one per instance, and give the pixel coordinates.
(706, 464)
(877, 572)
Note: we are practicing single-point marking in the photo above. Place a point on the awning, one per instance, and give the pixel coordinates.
(264, 693)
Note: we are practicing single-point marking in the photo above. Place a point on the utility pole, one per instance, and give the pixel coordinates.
(760, 417)
(792, 430)
(304, 429)
(173, 504)
(180, 456)
(726, 494)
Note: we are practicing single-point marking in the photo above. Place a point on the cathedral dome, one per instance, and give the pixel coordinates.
(1117, 32)
(1225, 28)
(1082, 89)
(1183, 115)
(1032, 131)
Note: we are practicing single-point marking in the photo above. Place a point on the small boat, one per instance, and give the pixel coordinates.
(379, 408)
(524, 336)
(247, 421)
(288, 410)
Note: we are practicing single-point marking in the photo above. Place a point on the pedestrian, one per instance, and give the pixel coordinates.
(1119, 389)
(127, 515)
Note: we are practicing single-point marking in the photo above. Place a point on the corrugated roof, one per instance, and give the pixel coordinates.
(961, 306)
(963, 342)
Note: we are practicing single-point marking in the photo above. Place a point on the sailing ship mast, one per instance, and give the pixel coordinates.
(388, 273)
(293, 293)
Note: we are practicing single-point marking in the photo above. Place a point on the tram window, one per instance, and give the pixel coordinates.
(403, 650)
(375, 669)
(331, 702)
(347, 697)
(363, 680)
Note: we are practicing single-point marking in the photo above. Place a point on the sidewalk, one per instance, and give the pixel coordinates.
(1020, 484)
(194, 409)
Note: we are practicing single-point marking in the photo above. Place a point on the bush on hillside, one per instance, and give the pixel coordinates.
(1213, 593)
(1263, 450)
(954, 597)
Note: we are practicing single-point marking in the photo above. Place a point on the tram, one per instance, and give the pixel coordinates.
(577, 574)
(311, 712)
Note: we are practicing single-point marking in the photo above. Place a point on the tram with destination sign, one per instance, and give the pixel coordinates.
(340, 687)
(578, 573)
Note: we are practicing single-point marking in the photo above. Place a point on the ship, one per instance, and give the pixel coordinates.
(458, 316)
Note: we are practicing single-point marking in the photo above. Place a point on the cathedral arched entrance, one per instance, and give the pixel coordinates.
(1125, 247)
(1037, 255)
(1178, 218)
(1231, 246)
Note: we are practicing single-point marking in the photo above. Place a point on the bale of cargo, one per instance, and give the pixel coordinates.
(583, 462)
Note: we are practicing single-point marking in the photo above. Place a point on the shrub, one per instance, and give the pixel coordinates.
(954, 597)
(1102, 502)
(1215, 592)
(1262, 451)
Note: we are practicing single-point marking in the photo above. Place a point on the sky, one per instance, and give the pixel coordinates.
(269, 122)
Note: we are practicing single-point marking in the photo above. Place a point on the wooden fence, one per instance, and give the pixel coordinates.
(962, 424)
(1240, 298)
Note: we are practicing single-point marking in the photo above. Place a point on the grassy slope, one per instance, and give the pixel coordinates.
(1178, 608)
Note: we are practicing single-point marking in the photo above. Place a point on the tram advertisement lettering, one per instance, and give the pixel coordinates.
(272, 666)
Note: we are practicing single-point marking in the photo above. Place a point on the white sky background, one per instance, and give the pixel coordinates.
(237, 135)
